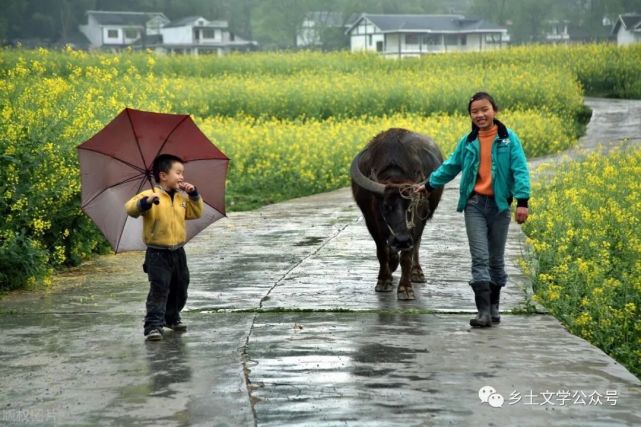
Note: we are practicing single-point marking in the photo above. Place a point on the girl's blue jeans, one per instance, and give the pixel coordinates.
(487, 234)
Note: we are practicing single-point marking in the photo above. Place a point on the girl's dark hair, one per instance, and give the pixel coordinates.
(481, 95)
(163, 163)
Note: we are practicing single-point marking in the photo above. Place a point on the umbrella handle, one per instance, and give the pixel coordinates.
(155, 200)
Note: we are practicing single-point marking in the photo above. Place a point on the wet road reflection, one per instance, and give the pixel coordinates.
(168, 363)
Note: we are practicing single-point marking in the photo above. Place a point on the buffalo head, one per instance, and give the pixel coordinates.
(398, 207)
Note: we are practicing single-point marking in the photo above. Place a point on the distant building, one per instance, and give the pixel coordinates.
(557, 32)
(194, 35)
(568, 32)
(627, 29)
(310, 33)
(118, 30)
(415, 35)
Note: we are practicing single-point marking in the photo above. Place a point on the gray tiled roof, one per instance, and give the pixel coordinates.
(631, 21)
(183, 21)
(427, 23)
(123, 18)
(191, 19)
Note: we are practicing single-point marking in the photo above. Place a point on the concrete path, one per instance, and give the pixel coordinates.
(285, 329)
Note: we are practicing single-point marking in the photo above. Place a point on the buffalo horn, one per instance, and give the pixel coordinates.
(362, 181)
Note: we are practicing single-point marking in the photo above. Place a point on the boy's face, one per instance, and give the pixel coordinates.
(173, 177)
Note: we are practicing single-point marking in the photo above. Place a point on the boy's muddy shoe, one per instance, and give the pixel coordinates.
(154, 335)
(177, 327)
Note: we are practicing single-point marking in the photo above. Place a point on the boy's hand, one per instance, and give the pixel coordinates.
(154, 198)
(186, 187)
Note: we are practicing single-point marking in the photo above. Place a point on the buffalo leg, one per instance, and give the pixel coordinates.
(417, 271)
(384, 283)
(405, 291)
(393, 260)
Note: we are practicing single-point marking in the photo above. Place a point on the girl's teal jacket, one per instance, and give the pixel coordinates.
(510, 175)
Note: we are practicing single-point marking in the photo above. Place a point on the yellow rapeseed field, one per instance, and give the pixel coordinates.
(585, 234)
(291, 124)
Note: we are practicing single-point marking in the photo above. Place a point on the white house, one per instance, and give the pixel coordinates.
(141, 30)
(627, 29)
(310, 32)
(557, 32)
(118, 30)
(196, 35)
(400, 36)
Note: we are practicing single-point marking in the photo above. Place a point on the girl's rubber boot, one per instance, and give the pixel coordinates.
(482, 292)
(495, 296)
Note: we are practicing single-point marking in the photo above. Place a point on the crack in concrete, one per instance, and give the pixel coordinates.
(244, 355)
(305, 258)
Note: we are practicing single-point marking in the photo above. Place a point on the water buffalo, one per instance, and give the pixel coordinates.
(382, 178)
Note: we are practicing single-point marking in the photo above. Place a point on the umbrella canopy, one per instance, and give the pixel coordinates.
(115, 165)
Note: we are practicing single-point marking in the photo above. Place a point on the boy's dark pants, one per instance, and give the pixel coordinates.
(168, 282)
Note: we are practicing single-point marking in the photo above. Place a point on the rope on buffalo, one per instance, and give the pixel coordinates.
(416, 201)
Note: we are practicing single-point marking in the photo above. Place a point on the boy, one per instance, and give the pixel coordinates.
(164, 210)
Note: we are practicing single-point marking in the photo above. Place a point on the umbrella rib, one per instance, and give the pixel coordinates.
(142, 182)
(196, 160)
(115, 158)
(170, 133)
(112, 186)
(131, 123)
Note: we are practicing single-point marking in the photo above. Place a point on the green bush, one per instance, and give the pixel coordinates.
(43, 120)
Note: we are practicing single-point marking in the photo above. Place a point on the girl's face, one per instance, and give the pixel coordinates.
(482, 114)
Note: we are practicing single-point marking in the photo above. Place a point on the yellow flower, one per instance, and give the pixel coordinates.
(583, 319)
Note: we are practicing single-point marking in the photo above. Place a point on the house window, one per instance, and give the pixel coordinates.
(370, 39)
(411, 38)
(208, 33)
(112, 34)
(464, 40)
(493, 38)
(131, 33)
(432, 40)
(451, 40)
(379, 46)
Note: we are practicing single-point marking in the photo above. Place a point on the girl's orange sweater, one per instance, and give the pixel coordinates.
(484, 180)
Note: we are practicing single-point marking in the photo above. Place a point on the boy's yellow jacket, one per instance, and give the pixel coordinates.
(164, 223)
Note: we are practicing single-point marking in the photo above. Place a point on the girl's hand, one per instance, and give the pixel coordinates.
(521, 215)
(420, 188)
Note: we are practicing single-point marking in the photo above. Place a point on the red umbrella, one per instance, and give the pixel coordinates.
(115, 165)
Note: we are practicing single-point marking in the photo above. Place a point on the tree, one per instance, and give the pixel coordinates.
(276, 22)
(497, 11)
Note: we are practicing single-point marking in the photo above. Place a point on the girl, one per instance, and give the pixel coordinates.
(494, 172)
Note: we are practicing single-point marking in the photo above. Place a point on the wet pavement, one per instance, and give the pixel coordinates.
(285, 329)
(615, 123)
